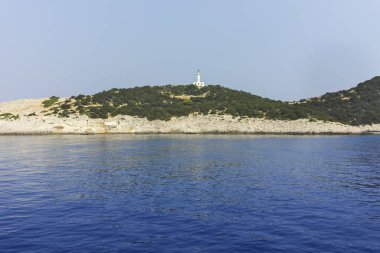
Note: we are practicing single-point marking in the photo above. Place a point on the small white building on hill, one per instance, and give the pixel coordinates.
(198, 83)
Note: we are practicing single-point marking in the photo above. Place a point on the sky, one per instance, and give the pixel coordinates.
(280, 49)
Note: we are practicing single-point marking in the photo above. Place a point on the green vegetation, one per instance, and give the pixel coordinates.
(51, 101)
(9, 116)
(359, 105)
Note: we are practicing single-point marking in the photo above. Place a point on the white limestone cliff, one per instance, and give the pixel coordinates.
(192, 124)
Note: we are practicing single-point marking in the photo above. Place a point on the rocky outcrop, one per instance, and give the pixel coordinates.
(31, 120)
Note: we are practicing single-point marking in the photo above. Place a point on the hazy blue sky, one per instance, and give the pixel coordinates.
(286, 49)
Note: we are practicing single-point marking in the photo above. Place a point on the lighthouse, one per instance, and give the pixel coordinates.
(198, 83)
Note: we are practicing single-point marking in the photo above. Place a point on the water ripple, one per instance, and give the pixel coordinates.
(117, 193)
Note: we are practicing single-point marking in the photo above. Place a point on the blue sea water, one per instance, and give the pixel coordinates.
(189, 193)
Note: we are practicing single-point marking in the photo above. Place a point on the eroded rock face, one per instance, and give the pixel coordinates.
(32, 120)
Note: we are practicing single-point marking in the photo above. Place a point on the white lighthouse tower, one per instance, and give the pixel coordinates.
(198, 83)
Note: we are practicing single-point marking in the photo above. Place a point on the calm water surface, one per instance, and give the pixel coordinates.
(122, 193)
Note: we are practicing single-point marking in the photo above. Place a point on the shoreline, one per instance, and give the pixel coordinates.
(190, 125)
(199, 134)
(190, 134)
(31, 120)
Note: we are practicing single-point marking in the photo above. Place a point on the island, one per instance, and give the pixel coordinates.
(195, 109)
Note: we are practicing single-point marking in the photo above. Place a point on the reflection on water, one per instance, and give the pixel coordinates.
(189, 193)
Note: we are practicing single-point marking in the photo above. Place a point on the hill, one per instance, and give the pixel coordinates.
(164, 102)
(357, 106)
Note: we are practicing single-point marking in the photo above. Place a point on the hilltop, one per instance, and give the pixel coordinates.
(356, 106)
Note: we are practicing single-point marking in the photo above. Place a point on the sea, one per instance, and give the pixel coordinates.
(189, 193)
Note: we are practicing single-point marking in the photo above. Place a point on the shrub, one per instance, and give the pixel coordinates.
(51, 101)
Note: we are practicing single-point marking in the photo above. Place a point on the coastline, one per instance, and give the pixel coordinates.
(39, 124)
(192, 124)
